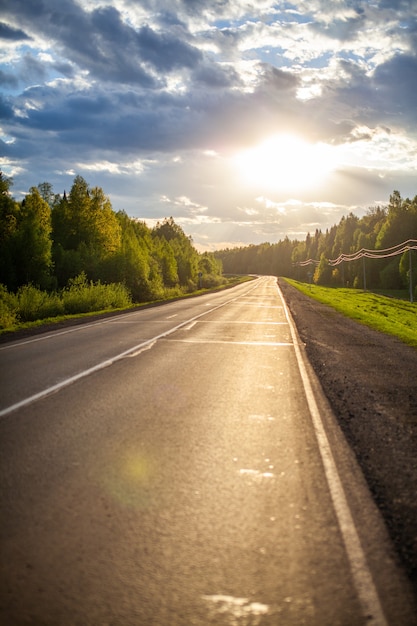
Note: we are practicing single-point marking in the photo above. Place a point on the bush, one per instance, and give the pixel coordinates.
(86, 297)
(212, 280)
(8, 308)
(172, 292)
(34, 304)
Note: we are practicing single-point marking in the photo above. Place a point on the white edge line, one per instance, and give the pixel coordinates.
(131, 352)
(361, 574)
(272, 344)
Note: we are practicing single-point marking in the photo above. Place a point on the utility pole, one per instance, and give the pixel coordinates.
(364, 273)
(410, 274)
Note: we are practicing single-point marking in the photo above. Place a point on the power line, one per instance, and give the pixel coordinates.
(305, 263)
(364, 253)
(410, 244)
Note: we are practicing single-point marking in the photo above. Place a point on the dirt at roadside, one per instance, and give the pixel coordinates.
(370, 380)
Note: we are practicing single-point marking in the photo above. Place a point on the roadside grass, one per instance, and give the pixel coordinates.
(31, 308)
(389, 315)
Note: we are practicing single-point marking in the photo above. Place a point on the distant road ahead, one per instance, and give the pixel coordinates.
(177, 466)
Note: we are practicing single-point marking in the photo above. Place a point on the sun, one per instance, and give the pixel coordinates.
(285, 162)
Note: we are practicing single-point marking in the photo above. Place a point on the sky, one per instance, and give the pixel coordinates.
(247, 121)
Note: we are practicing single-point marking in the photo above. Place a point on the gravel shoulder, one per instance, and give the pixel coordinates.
(370, 380)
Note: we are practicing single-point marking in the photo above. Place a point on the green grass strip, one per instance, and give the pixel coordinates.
(388, 315)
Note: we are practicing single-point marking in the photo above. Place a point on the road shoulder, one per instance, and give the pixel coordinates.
(370, 382)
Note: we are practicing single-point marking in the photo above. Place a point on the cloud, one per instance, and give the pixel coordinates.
(107, 47)
(6, 111)
(277, 81)
(8, 80)
(14, 34)
(217, 77)
(396, 80)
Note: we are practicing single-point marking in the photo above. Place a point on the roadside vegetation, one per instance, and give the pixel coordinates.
(386, 314)
(71, 254)
(31, 307)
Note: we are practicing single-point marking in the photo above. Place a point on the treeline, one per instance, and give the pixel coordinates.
(48, 240)
(381, 228)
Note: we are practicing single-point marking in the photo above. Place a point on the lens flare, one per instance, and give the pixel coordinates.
(131, 480)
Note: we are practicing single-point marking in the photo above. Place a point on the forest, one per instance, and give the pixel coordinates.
(381, 229)
(61, 244)
(53, 241)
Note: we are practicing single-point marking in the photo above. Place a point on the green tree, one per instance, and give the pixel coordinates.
(33, 241)
(130, 264)
(164, 254)
(47, 193)
(323, 272)
(400, 223)
(25, 236)
(208, 264)
(9, 214)
(170, 230)
(86, 231)
(184, 252)
(404, 268)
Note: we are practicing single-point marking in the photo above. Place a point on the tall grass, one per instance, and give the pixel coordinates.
(30, 304)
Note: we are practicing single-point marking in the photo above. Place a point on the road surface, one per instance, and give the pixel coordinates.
(178, 466)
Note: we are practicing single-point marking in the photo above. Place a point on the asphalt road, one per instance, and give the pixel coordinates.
(179, 466)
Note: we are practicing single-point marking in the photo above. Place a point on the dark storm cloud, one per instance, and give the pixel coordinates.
(398, 5)
(386, 14)
(6, 111)
(32, 69)
(63, 68)
(216, 77)
(13, 34)
(356, 97)
(64, 110)
(107, 47)
(166, 52)
(171, 20)
(8, 80)
(396, 81)
(97, 118)
(196, 7)
(145, 121)
(101, 43)
(163, 51)
(278, 80)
